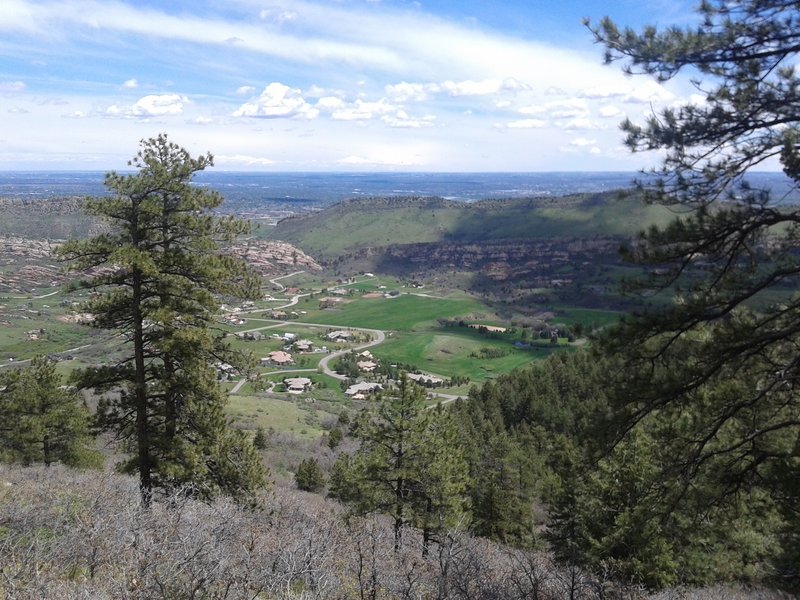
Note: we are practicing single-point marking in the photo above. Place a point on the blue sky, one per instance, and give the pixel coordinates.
(324, 85)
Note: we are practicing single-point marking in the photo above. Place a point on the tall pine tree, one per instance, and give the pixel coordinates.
(155, 277)
(720, 365)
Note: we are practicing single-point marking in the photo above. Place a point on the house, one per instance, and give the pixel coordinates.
(328, 302)
(366, 365)
(426, 380)
(366, 354)
(303, 346)
(359, 391)
(251, 336)
(277, 314)
(490, 328)
(225, 371)
(278, 358)
(339, 335)
(297, 385)
(339, 292)
(289, 337)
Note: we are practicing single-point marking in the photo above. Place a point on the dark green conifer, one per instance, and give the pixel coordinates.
(42, 421)
(409, 465)
(155, 276)
(712, 374)
(308, 476)
(260, 439)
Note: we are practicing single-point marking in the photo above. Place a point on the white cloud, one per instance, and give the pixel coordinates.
(569, 113)
(78, 114)
(532, 110)
(245, 90)
(18, 110)
(559, 109)
(610, 112)
(363, 111)
(130, 84)
(418, 92)
(698, 100)
(278, 101)
(12, 87)
(578, 123)
(383, 161)
(277, 16)
(159, 105)
(202, 120)
(526, 124)
(482, 88)
(330, 103)
(646, 92)
(401, 120)
(582, 142)
(113, 111)
(242, 160)
(315, 91)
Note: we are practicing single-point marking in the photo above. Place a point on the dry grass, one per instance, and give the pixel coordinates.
(68, 535)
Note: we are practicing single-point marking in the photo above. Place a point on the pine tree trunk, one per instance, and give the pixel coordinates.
(46, 450)
(140, 397)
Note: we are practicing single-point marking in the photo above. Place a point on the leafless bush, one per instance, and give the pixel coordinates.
(69, 535)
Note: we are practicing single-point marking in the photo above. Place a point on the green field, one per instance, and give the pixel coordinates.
(404, 313)
(455, 353)
(281, 415)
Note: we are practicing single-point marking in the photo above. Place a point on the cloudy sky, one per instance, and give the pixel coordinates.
(323, 85)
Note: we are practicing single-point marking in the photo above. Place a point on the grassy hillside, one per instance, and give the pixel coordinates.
(356, 224)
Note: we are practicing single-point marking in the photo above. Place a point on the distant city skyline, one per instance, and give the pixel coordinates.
(326, 85)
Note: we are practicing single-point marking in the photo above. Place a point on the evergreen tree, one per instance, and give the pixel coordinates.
(441, 501)
(41, 421)
(720, 364)
(408, 465)
(335, 438)
(308, 476)
(155, 275)
(501, 489)
(260, 439)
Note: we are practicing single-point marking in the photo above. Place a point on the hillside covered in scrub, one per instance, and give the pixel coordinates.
(71, 535)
